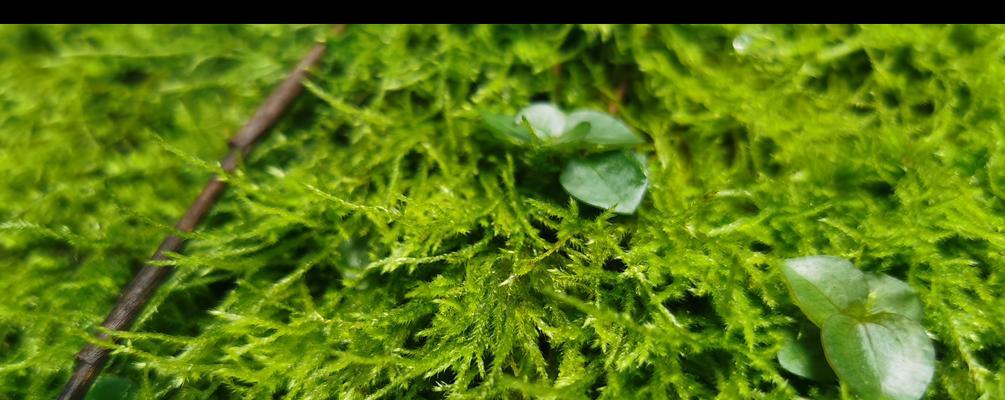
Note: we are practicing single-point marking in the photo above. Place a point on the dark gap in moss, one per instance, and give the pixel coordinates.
(964, 37)
(426, 272)
(891, 99)
(606, 286)
(923, 109)
(321, 279)
(574, 39)
(941, 351)
(767, 148)
(640, 311)
(758, 246)
(730, 147)
(899, 269)
(461, 241)
(856, 68)
(704, 364)
(544, 232)
(674, 61)
(132, 76)
(590, 213)
(221, 217)
(362, 98)
(45, 245)
(766, 386)
(422, 43)
(225, 391)
(301, 116)
(336, 67)
(989, 354)
(803, 386)
(477, 379)
(964, 98)
(983, 265)
(428, 390)
(974, 162)
(626, 242)
(540, 97)
(596, 388)
(461, 29)
(412, 163)
(640, 376)
(880, 189)
(420, 101)
(53, 382)
(956, 246)
(684, 149)
(10, 339)
(550, 356)
(987, 113)
(413, 341)
(281, 391)
(615, 265)
(177, 306)
(33, 40)
(341, 135)
(475, 83)
(697, 307)
(903, 63)
(20, 379)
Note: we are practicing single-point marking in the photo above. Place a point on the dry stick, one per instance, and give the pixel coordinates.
(92, 358)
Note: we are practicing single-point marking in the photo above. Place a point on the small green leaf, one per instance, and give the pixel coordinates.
(613, 179)
(889, 294)
(506, 129)
(109, 387)
(546, 120)
(604, 129)
(883, 356)
(803, 355)
(574, 135)
(823, 285)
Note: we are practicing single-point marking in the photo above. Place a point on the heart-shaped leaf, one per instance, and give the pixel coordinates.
(506, 129)
(824, 285)
(889, 294)
(803, 355)
(882, 356)
(546, 120)
(574, 136)
(604, 129)
(614, 179)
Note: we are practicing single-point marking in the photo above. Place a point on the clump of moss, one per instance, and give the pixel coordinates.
(375, 246)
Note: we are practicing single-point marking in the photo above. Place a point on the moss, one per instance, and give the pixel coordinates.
(375, 246)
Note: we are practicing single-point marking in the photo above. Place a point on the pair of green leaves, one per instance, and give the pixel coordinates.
(612, 179)
(869, 330)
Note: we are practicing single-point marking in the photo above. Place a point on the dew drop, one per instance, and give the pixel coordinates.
(742, 42)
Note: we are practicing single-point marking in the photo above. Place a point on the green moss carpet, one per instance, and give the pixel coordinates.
(379, 244)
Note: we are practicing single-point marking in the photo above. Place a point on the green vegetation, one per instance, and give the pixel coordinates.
(612, 179)
(380, 243)
(869, 329)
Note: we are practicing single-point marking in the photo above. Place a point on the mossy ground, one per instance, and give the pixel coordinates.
(376, 246)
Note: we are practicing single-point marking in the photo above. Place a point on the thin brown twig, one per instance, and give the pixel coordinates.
(91, 360)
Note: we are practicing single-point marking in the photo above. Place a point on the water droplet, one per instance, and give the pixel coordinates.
(742, 42)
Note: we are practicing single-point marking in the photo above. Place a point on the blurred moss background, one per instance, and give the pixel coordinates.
(374, 246)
